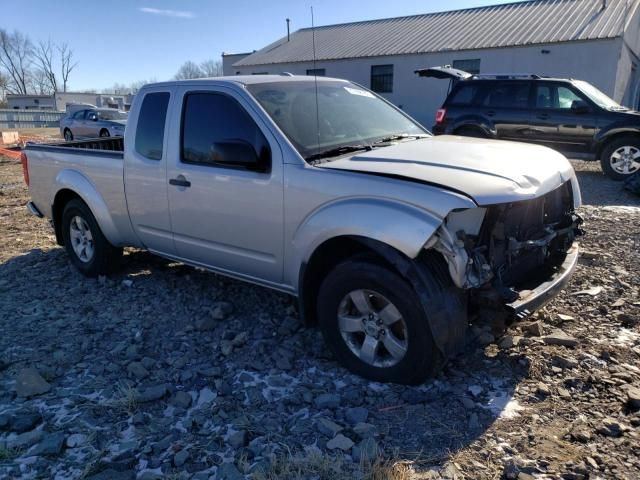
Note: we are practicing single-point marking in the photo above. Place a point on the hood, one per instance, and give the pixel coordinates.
(489, 171)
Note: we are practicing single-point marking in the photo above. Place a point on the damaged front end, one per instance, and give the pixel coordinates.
(511, 257)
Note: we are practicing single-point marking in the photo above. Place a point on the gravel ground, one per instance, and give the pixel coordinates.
(164, 371)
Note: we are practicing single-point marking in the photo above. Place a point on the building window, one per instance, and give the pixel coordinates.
(318, 72)
(471, 66)
(382, 78)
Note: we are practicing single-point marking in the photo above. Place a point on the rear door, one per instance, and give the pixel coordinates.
(505, 106)
(145, 172)
(562, 118)
(226, 214)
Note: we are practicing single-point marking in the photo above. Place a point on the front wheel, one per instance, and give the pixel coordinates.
(621, 158)
(373, 321)
(89, 250)
(104, 133)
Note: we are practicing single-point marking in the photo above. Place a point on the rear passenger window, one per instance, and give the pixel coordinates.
(464, 95)
(150, 129)
(217, 131)
(507, 95)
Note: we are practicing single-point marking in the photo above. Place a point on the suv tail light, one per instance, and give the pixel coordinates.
(25, 167)
(440, 114)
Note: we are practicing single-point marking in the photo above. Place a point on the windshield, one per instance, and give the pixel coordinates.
(597, 96)
(343, 115)
(111, 115)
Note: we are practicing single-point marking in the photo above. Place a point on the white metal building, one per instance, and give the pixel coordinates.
(593, 40)
(60, 100)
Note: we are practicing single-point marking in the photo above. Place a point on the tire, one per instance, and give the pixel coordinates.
(420, 359)
(617, 158)
(470, 132)
(100, 257)
(104, 133)
(68, 136)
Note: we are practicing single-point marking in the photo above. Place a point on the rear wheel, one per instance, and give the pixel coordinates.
(471, 132)
(68, 136)
(89, 250)
(104, 133)
(373, 321)
(621, 158)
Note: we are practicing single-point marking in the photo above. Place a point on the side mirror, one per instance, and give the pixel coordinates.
(241, 154)
(580, 107)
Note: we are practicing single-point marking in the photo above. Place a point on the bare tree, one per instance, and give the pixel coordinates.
(39, 82)
(4, 86)
(66, 63)
(211, 68)
(43, 54)
(16, 58)
(189, 70)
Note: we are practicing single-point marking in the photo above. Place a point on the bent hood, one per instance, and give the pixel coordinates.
(489, 171)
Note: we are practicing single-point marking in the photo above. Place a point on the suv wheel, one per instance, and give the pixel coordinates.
(373, 321)
(89, 250)
(470, 132)
(621, 158)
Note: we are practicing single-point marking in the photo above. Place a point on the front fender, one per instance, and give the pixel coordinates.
(84, 188)
(618, 128)
(404, 227)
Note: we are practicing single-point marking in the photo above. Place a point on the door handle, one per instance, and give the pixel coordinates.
(491, 114)
(543, 116)
(180, 181)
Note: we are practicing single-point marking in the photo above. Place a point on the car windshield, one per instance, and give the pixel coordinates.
(597, 96)
(111, 115)
(342, 117)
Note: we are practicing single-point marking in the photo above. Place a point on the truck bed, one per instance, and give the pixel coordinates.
(110, 146)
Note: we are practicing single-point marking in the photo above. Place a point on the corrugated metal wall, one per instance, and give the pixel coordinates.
(29, 118)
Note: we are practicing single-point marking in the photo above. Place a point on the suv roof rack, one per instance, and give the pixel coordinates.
(506, 76)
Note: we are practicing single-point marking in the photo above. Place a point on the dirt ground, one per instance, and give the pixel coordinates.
(163, 371)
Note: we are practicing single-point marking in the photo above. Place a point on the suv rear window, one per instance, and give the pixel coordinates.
(507, 95)
(463, 95)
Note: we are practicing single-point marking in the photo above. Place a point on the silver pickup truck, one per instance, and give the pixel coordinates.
(392, 240)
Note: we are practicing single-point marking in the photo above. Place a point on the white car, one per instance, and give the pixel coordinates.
(93, 123)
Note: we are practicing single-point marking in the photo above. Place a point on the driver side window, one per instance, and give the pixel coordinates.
(217, 131)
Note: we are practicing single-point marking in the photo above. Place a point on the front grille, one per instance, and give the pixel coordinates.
(521, 237)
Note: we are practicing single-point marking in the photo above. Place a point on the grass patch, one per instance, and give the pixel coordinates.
(322, 466)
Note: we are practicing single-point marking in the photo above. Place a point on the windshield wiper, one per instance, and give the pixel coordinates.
(399, 136)
(334, 152)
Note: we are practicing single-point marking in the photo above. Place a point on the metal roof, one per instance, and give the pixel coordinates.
(512, 24)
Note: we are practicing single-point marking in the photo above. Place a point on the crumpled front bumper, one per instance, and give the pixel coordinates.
(531, 300)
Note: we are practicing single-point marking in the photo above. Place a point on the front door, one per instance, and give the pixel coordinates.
(145, 174)
(563, 119)
(226, 186)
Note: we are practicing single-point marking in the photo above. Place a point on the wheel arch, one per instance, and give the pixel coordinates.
(72, 184)
(608, 137)
(445, 305)
(476, 123)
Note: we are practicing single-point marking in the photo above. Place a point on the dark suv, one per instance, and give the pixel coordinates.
(571, 116)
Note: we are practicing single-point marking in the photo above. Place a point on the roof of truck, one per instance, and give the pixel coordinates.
(247, 80)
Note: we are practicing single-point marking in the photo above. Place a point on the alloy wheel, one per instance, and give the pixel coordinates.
(373, 328)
